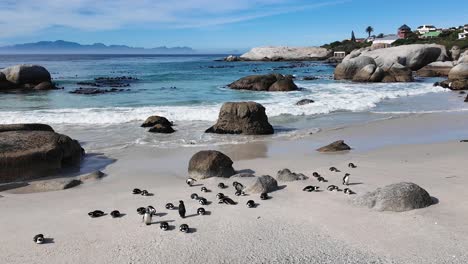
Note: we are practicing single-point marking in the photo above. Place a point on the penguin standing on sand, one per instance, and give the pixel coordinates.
(202, 201)
(39, 239)
(201, 211)
(184, 228)
(190, 181)
(194, 196)
(169, 206)
(164, 226)
(148, 216)
(348, 191)
(204, 189)
(250, 204)
(182, 209)
(221, 185)
(264, 196)
(315, 174)
(115, 214)
(346, 179)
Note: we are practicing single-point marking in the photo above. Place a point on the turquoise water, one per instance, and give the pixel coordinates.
(190, 90)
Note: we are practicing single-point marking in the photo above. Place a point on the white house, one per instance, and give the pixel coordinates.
(464, 33)
(426, 28)
(384, 42)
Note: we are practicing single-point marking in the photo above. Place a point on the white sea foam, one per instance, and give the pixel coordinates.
(328, 98)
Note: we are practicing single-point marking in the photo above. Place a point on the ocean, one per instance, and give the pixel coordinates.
(190, 90)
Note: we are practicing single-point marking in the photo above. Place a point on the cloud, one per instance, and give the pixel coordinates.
(24, 17)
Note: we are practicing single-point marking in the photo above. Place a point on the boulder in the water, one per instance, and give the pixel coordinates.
(163, 129)
(269, 82)
(305, 101)
(154, 120)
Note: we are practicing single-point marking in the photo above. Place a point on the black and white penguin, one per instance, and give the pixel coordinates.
(334, 169)
(145, 193)
(169, 206)
(234, 184)
(201, 211)
(352, 166)
(136, 191)
(346, 179)
(321, 179)
(220, 196)
(190, 181)
(184, 228)
(194, 196)
(264, 196)
(315, 174)
(115, 214)
(182, 209)
(202, 201)
(310, 188)
(164, 226)
(151, 210)
(239, 193)
(239, 186)
(221, 185)
(250, 204)
(227, 200)
(96, 213)
(147, 217)
(39, 238)
(332, 187)
(348, 191)
(204, 189)
(141, 210)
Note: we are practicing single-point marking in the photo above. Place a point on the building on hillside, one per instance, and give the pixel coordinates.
(463, 34)
(426, 28)
(404, 31)
(384, 42)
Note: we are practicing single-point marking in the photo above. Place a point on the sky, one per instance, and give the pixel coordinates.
(216, 25)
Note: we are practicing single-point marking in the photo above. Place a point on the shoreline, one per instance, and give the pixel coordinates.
(293, 226)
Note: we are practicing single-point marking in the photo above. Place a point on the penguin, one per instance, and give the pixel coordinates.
(115, 214)
(250, 204)
(39, 238)
(352, 166)
(141, 210)
(201, 211)
(315, 174)
(169, 206)
(332, 188)
(190, 181)
(164, 226)
(184, 228)
(220, 196)
(321, 179)
(147, 217)
(264, 196)
(96, 213)
(136, 191)
(334, 169)
(151, 210)
(310, 188)
(346, 179)
(202, 201)
(227, 200)
(239, 193)
(194, 196)
(182, 209)
(234, 184)
(348, 191)
(204, 189)
(221, 185)
(239, 187)
(145, 193)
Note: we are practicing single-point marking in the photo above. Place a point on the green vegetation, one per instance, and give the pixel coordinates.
(346, 45)
(369, 30)
(448, 39)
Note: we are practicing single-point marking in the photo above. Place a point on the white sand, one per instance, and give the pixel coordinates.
(292, 227)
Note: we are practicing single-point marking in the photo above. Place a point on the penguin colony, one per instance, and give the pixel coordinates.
(149, 211)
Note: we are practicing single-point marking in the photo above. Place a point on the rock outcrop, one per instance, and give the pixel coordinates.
(163, 129)
(31, 151)
(396, 197)
(286, 175)
(267, 82)
(248, 118)
(25, 77)
(339, 145)
(210, 163)
(436, 69)
(457, 78)
(155, 120)
(263, 184)
(281, 53)
(304, 101)
(390, 64)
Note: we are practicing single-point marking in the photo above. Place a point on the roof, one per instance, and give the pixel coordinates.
(388, 37)
(431, 34)
(404, 27)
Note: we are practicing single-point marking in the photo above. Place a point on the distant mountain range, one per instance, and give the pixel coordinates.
(66, 47)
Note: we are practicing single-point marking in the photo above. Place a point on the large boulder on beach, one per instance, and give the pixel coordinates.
(248, 118)
(339, 145)
(286, 175)
(348, 68)
(267, 82)
(263, 184)
(459, 72)
(282, 53)
(31, 151)
(26, 76)
(398, 197)
(210, 163)
(436, 69)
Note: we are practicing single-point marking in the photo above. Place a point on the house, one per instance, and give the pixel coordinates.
(463, 34)
(384, 42)
(403, 31)
(426, 28)
(339, 54)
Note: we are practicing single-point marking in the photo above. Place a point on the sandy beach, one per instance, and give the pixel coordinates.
(291, 227)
